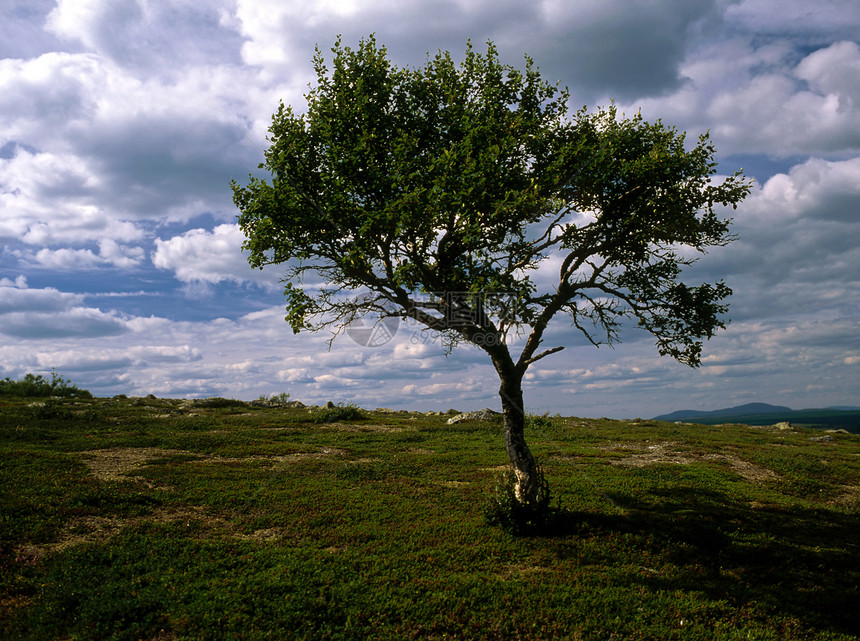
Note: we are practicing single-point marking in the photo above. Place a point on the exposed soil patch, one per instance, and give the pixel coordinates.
(750, 471)
(326, 452)
(116, 463)
(667, 452)
(97, 529)
(368, 427)
(850, 495)
(497, 468)
(267, 534)
(119, 463)
(454, 484)
(650, 454)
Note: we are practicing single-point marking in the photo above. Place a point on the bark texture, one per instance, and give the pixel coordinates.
(528, 482)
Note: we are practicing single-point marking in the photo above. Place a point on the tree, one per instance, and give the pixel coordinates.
(437, 193)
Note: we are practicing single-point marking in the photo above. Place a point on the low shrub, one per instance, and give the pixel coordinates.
(274, 400)
(347, 412)
(538, 421)
(217, 402)
(515, 517)
(49, 409)
(38, 385)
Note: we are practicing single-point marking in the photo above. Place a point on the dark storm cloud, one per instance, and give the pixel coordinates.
(621, 49)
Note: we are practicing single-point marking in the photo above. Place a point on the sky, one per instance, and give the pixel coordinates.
(122, 123)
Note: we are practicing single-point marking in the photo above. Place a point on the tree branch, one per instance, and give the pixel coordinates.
(543, 354)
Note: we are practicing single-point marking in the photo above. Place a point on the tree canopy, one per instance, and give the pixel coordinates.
(467, 196)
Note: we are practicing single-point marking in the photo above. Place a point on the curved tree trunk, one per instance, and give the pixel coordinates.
(527, 488)
(528, 482)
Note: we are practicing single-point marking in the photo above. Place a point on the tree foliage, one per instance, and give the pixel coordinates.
(467, 178)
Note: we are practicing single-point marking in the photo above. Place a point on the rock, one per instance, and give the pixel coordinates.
(821, 439)
(839, 431)
(784, 425)
(330, 405)
(385, 410)
(485, 414)
(276, 402)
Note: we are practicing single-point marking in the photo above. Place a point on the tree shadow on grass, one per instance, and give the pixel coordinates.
(793, 562)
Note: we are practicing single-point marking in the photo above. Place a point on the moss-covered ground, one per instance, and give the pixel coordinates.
(157, 519)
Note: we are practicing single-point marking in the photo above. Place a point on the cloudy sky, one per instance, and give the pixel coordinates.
(123, 121)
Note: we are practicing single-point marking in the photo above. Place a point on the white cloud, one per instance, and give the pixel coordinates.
(819, 189)
(110, 254)
(20, 282)
(95, 148)
(834, 71)
(758, 99)
(52, 198)
(209, 257)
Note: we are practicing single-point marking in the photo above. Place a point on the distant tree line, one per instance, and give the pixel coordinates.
(38, 385)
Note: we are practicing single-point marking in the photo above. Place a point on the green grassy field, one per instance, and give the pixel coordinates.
(153, 519)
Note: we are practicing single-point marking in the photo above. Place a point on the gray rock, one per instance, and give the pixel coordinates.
(276, 402)
(784, 425)
(485, 414)
(330, 405)
(821, 439)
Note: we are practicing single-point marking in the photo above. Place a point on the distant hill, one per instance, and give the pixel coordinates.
(749, 408)
(839, 417)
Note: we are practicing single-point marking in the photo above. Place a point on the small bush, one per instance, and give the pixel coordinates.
(274, 400)
(517, 518)
(347, 412)
(217, 402)
(38, 385)
(49, 409)
(538, 421)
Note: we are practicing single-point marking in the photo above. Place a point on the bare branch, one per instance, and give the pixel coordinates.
(543, 354)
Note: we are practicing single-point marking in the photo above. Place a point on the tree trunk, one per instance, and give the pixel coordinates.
(527, 488)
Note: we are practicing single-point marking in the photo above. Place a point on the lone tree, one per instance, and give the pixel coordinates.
(467, 198)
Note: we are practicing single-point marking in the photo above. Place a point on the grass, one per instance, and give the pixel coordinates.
(157, 519)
